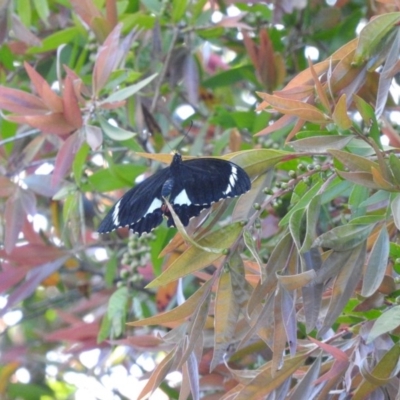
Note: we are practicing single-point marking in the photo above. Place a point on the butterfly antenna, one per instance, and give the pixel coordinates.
(186, 134)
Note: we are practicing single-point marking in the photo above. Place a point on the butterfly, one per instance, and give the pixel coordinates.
(190, 186)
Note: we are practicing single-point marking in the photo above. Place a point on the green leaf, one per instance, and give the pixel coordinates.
(345, 237)
(118, 177)
(354, 162)
(128, 91)
(42, 8)
(395, 205)
(114, 132)
(376, 265)
(382, 373)
(105, 329)
(116, 310)
(320, 144)
(79, 162)
(256, 162)
(388, 321)
(394, 164)
(28, 391)
(24, 12)
(229, 77)
(178, 9)
(194, 258)
(357, 196)
(53, 41)
(302, 202)
(372, 34)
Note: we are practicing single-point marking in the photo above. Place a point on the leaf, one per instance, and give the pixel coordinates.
(194, 259)
(266, 381)
(159, 374)
(107, 59)
(376, 265)
(114, 132)
(297, 108)
(387, 322)
(339, 115)
(382, 373)
(183, 311)
(372, 34)
(360, 178)
(65, 157)
(71, 110)
(116, 311)
(20, 102)
(302, 202)
(345, 237)
(49, 98)
(128, 91)
(14, 220)
(354, 162)
(321, 144)
(33, 278)
(395, 207)
(344, 285)
(54, 123)
(226, 314)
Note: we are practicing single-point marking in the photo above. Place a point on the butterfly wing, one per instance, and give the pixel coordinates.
(200, 182)
(140, 208)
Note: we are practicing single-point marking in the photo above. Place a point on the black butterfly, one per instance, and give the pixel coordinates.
(190, 186)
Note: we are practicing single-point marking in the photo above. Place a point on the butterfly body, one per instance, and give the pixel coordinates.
(190, 186)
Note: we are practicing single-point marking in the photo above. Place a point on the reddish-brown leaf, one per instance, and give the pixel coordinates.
(65, 157)
(72, 112)
(86, 9)
(20, 102)
(33, 278)
(50, 99)
(50, 123)
(108, 57)
(7, 188)
(23, 34)
(32, 254)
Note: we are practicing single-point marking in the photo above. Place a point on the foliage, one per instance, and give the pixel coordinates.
(290, 290)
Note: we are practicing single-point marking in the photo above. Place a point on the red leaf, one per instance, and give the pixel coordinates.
(32, 254)
(65, 157)
(10, 276)
(72, 112)
(33, 278)
(86, 9)
(50, 123)
(20, 102)
(78, 332)
(52, 101)
(23, 34)
(79, 87)
(7, 188)
(108, 57)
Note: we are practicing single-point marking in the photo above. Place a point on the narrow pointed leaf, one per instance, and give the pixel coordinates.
(345, 237)
(194, 259)
(185, 310)
(129, 91)
(376, 265)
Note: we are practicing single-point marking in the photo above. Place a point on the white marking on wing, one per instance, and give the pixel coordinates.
(115, 215)
(156, 203)
(228, 189)
(182, 198)
(233, 177)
